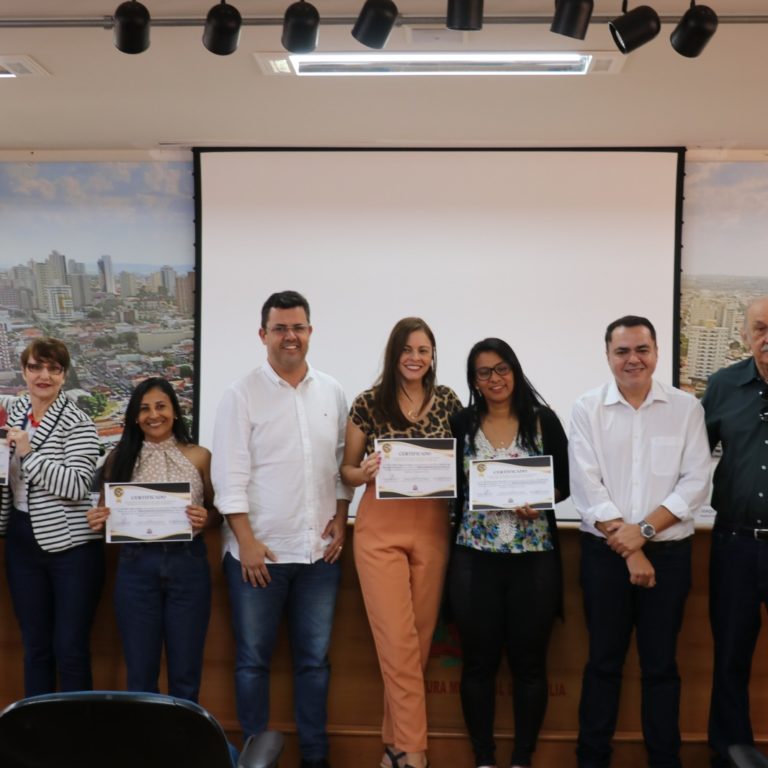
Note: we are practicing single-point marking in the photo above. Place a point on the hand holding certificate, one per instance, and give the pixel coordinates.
(416, 468)
(147, 512)
(511, 483)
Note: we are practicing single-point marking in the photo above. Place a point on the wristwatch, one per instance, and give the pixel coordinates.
(647, 529)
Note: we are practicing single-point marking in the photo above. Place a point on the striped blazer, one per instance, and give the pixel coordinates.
(58, 471)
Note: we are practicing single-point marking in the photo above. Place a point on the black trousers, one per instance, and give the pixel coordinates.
(613, 608)
(738, 588)
(504, 602)
(54, 595)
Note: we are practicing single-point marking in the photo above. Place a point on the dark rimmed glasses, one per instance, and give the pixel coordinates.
(53, 368)
(484, 373)
(283, 330)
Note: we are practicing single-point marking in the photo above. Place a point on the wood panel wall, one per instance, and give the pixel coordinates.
(356, 689)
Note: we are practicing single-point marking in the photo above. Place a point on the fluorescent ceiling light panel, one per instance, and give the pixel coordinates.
(457, 63)
(20, 65)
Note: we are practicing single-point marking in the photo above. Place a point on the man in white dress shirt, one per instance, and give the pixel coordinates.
(639, 463)
(277, 445)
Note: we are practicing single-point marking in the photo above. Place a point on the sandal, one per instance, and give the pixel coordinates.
(394, 758)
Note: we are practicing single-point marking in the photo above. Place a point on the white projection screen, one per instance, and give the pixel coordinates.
(541, 248)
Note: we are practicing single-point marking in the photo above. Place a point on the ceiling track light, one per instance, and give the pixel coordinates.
(634, 28)
(131, 27)
(376, 20)
(572, 18)
(694, 31)
(301, 25)
(464, 15)
(222, 29)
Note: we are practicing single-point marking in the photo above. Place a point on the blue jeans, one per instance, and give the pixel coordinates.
(738, 588)
(54, 596)
(308, 594)
(163, 597)
(613, 607)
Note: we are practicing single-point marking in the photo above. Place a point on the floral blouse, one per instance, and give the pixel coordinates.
(500, 530)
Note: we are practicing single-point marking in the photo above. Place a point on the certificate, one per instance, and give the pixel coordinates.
(510, 483)
(416, 468)
(5, 456)
(147, 512)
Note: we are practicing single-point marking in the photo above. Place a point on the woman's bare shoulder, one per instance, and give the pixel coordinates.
(199, 456)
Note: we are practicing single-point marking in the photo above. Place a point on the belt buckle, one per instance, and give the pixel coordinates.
(760, 533)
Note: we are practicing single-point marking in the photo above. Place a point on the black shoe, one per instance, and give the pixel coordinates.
(322, 763)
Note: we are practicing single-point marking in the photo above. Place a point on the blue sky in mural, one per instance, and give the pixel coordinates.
(141, 214)
(725, 213)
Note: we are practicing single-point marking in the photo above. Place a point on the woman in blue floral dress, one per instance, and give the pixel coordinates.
(505, 580)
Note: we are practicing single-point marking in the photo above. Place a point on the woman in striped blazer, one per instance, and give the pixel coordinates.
(54, 561)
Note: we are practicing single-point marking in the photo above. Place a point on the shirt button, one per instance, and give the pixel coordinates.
(760, 494)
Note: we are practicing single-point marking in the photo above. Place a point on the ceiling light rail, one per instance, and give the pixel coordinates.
(107, 22)
(221, 27)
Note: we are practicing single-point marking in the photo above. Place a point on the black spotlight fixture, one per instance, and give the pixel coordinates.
(222, 29)
(695, 30)
(131, 27)
(464, 14)
(300, 27)
(572, 18)
(375, 22)
(634, 28)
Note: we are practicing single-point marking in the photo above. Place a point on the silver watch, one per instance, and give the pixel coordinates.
(647, 529)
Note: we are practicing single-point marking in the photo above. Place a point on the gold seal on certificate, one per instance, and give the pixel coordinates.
(510, 483)
(147, 512)
(416, 468)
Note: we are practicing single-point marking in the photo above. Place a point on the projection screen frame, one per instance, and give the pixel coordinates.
(671, 362)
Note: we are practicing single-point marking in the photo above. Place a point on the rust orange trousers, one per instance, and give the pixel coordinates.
(401, 553)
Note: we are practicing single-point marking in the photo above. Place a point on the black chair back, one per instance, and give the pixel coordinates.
(745, 756)
(110, 730)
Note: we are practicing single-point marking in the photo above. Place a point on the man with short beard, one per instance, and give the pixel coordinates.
(736, 406)
(277, 445)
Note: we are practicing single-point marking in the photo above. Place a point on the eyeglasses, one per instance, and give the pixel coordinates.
(282, 330)
(500, 369)
(53, 368)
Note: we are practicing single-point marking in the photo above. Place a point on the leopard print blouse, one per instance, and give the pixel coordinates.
(435, 422)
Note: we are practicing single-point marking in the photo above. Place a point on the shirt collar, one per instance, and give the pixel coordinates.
(748, 373)
(275, 378)
(613, 396)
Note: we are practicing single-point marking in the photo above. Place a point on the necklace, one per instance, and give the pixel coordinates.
(412, 413)
(500, 433)
(33, 421)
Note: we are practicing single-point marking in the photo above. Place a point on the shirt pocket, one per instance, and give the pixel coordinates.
(665, 455)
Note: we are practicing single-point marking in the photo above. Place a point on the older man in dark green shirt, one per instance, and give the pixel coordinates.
(736, 406)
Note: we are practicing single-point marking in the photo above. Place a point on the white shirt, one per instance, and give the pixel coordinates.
(624, 463)
(16, 479)
(276, 455)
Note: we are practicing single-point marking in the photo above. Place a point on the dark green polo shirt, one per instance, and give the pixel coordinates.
(732, 405)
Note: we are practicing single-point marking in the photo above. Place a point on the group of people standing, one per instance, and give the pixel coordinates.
(286, 452)
(54, 550)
